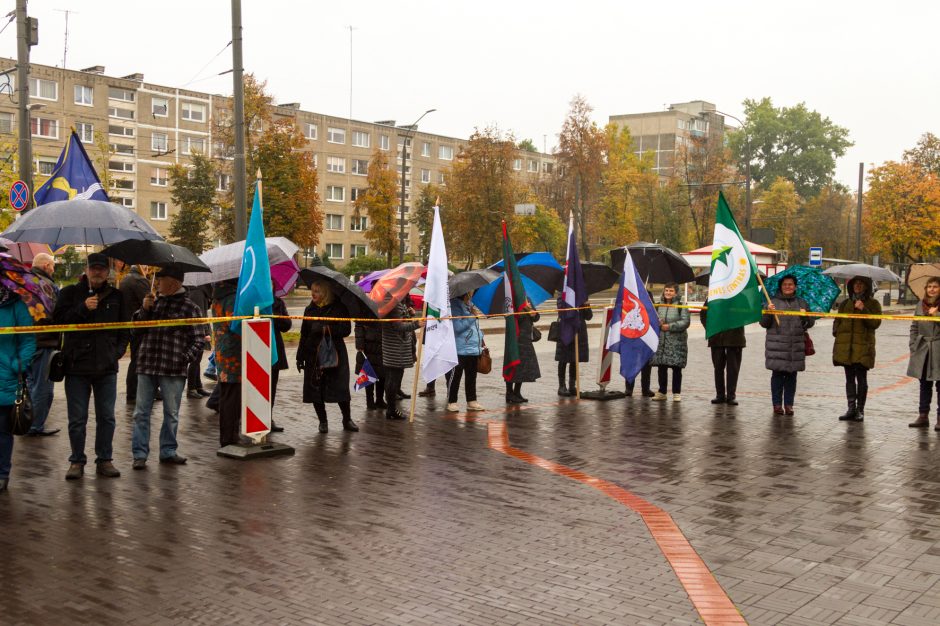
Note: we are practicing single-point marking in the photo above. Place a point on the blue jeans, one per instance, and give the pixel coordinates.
(41, 389)
(6, 441)
(782, 387)
(78, 390)
(172, 387)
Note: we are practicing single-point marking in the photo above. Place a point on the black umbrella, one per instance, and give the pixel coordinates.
(655, 262)
(471, 280)
(79, 222)
(597, 277)
(349, 293)
(157, 254)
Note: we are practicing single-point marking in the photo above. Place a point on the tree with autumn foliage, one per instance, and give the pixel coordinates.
(481, 191)
(276, 147)
(540, 232)
(622, 178)
(424, 217)
(192, 189)
(902, 212)
(703, 166)
(926, 154)
(777, 209)
(379, 200)
(827, 220)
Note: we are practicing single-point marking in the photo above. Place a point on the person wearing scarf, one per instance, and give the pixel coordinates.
(925, 353)
(854, 345)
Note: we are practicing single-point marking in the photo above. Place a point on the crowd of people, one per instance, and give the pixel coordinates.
(165, 359)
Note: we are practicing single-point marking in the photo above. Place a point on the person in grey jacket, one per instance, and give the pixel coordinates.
(397, 354)
(785, 347)
(673, 350)
(925, 353)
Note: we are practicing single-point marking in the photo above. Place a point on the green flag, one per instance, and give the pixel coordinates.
(515, 299)
(734, 298)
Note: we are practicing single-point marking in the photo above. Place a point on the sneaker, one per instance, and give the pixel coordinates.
(659, 396)
(107, 470)
(76, 471)
(192, 394)
(452, 407)
(677, 397)
(475, 406)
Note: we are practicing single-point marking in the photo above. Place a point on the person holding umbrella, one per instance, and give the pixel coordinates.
(134, 288)
(785, 347)
(324, 382)
(16, 352)
(854, 345)
(469, 339)
(397, 354)
(925, 352)
(41, 389)
(673, 350)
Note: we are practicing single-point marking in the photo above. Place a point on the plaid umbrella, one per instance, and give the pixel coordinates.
(37, 293)
(819, 291)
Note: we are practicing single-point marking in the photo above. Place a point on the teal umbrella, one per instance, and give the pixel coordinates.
(819, 291)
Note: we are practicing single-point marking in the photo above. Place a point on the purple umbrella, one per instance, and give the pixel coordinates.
(37, 293)
(368, 281)
(284, 275)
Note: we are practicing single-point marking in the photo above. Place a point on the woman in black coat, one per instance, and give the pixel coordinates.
(528, 369)
(369, 346)
(564, 354)
(281, 326)
(330, 384)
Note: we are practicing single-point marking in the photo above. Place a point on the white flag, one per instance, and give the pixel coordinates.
(440, 348)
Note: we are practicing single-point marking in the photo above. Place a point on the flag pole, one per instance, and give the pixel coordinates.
(577, 364)
(414, 383)
(767, 296)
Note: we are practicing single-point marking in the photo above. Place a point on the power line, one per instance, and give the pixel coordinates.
(196, 75)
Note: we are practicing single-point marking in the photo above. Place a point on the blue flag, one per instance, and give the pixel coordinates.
(634, 326)
(254, 279)
(365, 377)
(74, 177)
(574, 291)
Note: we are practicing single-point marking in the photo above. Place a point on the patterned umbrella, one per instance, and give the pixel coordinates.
(37, 293)
(368, 281)
(819, 291)
(395, 286)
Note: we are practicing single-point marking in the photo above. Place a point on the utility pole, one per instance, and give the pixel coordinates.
(406, 137)
(241, 210)
(858, 219)
(27, 34)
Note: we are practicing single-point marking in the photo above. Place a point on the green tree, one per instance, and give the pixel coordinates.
(542, 231)
(778, 210)
(193, 191)
(926, 154)
(424, 217)
(379, 200)
(364, 263)
(527, 145)
(789, 142)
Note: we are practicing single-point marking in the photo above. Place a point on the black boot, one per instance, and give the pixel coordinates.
(370, 398)
(850, 414)
(350, 425)
(324, 428)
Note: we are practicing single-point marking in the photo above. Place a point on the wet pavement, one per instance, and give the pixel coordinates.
(801, 520)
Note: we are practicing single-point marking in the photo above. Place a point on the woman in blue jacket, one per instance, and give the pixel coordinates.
(469, 341)
(16, 353)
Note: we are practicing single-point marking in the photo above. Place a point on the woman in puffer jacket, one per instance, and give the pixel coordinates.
(673, 351)
(785, 347)
(854, 345)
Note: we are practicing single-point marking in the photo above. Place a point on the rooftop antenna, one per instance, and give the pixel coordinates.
(65, 52)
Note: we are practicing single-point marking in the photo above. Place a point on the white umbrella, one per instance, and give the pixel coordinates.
(226, 261)
(851, 270)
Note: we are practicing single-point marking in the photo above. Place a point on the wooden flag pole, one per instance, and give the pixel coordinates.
(577, 364)
(414, 384)
(767, 295)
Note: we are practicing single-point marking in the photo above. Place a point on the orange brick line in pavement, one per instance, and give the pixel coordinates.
(709, 599)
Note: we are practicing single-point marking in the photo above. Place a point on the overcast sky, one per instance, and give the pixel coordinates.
(868, 66)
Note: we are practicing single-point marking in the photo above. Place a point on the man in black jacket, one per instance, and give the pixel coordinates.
(91, 362)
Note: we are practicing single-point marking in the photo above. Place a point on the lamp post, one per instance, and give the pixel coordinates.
(747, 175)
(404, 152)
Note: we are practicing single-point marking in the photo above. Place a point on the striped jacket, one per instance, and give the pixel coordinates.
(397, 339)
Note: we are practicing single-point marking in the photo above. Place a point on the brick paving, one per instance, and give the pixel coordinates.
(802, 520)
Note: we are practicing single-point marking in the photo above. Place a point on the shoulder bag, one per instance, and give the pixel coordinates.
(554, 331)
(484, 361)
(536, 334)
(21, 418)
(808, 346)
(327, 357)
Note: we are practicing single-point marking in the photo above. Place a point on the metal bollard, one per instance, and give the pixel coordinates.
(887, 299)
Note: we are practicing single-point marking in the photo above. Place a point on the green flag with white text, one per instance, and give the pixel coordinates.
(734, 297)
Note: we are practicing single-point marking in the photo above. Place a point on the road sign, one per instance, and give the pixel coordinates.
(19, 195)
(815, 257)
(525, 209)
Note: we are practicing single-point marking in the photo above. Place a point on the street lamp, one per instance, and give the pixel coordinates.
(404, 150)
(747, 175)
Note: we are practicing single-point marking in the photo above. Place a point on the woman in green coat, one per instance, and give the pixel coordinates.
(673, 351)
(854, 345)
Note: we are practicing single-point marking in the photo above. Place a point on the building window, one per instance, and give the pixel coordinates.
(334, 222)
(517, 165)
(192, 111)
(355, 193)
(117, 93)
(335, 194)
(425, 176)
(337, 165)
(360, 167)
(358, 249)
(440, 178)
(120, 166)
(45, 168)
(158, 210)
(158, 142)
(384, 142)
(126, 202)
(159, 107)
(336, 135)
(127, 185)
(84, 95)
(358, 224)
(446, 153)
(311, 131)
(6, 122)
(546, 167)
(334, 250)
(158, 177)
(533, 165)
(121, 148)
(360, 139)
(124, 131)
(43, 89)
(426, 149)
(86, 132)
(121, 114)
(223, 182)
(44, 127)
(193, 144)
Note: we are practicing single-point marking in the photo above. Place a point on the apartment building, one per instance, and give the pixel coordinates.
(149, 128)
(662, 132)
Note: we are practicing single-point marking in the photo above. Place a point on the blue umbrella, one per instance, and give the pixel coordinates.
(540, 272)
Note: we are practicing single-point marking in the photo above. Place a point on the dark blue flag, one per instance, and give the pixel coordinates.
(74, 177)
(574, 291)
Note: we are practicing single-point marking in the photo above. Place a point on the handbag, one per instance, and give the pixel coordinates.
(327, 357)
(484, 362)
(21, 418)
(554, 331)
(536, 334)
(808, 346)
(57, 367)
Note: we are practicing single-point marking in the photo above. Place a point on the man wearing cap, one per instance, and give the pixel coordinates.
(163, 361)
(91, 362)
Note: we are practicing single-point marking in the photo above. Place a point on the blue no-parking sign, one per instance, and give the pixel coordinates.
(19, 195)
